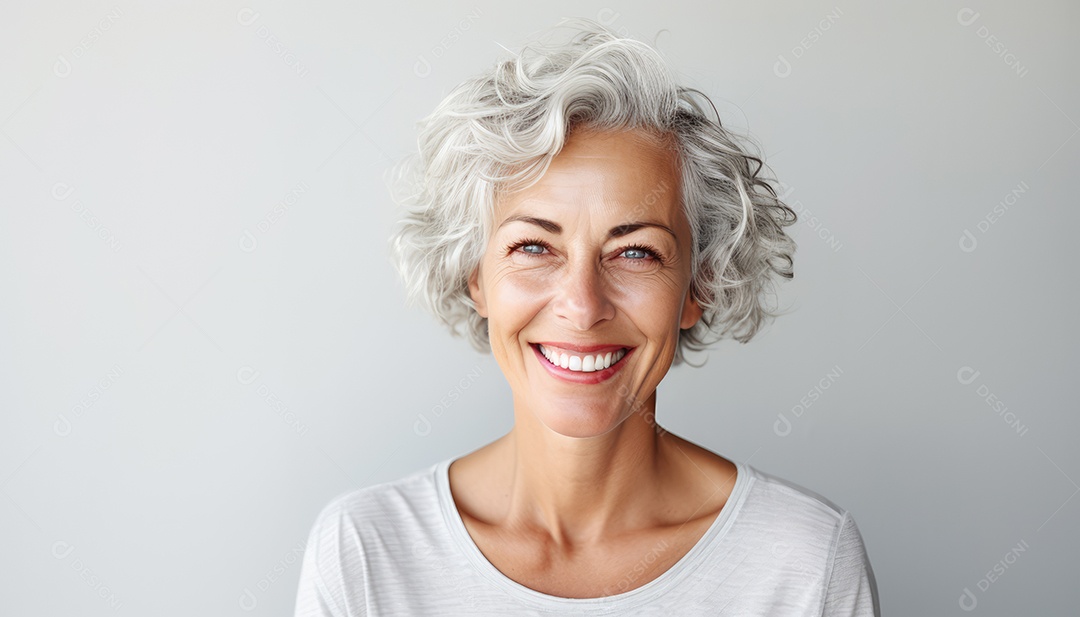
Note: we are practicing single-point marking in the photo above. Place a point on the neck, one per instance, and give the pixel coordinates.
(581, 489)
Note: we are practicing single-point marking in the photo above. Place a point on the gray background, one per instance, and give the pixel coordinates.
(203, 341)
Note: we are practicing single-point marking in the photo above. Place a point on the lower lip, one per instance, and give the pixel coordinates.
(579, 376)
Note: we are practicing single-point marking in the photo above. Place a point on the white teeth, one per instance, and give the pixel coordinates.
(588, 365)
(583, 364)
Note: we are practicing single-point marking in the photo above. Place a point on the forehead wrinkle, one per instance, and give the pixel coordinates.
(585, 208)
(607, 181)
(585, 192)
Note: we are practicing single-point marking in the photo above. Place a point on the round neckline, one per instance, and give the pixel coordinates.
(625, 600)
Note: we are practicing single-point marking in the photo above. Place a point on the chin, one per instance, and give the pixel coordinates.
(581, 422)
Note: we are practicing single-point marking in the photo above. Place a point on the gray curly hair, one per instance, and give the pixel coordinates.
(498, 132)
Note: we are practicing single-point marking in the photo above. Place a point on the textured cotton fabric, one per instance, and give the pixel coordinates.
(401, 548)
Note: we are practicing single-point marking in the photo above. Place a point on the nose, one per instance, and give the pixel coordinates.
(582, 298)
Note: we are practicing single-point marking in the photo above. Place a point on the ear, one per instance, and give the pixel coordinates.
(691, 311)
(477, 292)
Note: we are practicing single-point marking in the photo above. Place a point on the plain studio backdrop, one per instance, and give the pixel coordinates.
(203, 341)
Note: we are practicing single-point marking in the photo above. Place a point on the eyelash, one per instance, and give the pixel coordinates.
(632, 247)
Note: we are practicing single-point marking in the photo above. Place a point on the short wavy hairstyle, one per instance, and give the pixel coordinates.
(498, 132)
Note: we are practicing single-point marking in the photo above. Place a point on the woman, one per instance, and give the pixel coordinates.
(587, 222)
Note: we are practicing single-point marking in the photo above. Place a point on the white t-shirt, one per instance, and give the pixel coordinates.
(401, 548)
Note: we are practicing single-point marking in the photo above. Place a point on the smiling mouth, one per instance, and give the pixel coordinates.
(582, 363)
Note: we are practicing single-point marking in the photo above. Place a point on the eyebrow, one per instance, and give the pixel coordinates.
(615, 232)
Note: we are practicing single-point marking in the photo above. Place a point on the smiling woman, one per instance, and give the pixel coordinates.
(583, 217)
(579, 266)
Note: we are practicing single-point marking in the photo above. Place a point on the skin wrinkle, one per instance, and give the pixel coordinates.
(616, 232)
(585, 468)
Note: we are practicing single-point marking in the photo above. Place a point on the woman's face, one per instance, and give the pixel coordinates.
(592, 260)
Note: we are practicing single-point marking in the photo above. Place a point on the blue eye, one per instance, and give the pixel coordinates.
(634, 253)
(530, 246)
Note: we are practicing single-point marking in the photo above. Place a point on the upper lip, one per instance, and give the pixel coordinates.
(582, 348)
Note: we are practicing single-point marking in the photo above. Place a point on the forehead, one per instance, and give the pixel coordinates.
(624, 173)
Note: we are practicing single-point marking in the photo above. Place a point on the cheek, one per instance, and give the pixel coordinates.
(652, 303)
(658, 291)
(516, 297)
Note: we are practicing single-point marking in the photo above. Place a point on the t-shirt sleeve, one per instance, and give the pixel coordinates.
(332, 556)
(850, 590)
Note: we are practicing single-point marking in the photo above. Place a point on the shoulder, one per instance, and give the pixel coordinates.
(808, 537)
(373, 508)
(357, 532)
(795, 524)
(793, 507)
